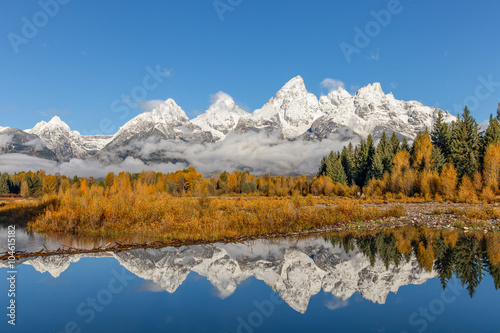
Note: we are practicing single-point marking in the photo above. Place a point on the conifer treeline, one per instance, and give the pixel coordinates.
(453, 161)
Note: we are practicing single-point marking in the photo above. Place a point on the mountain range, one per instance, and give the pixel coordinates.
(295, 270)
(292, 115)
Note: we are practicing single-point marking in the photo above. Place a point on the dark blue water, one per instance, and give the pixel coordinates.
(288, 286)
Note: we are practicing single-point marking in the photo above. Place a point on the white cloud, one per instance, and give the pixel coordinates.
(220, 95)
(332, 84)
(12, 163)
(5, 140)
(152, 287)
(37, 143)
(150, 105)
(394, 85)
(257, 152)
(336, 303)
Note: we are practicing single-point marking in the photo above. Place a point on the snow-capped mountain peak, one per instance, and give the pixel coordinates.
(294, 85)
(165, 122)
(293, 110)
(222, 116)
(169, 110)
(56, 121)
(292, 114)
(54, 124)
(65, 143)
(372, 90)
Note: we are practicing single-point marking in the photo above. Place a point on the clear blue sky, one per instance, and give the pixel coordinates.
(91, 52)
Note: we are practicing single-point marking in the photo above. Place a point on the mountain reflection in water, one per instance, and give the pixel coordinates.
(373, 263)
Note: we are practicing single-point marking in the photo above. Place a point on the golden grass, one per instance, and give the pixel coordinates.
(21, 212)
(160, 215)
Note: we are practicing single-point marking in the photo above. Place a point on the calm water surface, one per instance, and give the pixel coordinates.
(336, 283)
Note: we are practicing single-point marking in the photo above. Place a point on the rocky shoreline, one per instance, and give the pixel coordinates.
(446, 215)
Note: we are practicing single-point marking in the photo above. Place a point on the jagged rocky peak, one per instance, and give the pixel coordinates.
(170, 109)
(166, 115)
(292, 111)
(371, 90)
(295, 85)
(292, 114)
(222, 116)
(336, 97)
(54, 123)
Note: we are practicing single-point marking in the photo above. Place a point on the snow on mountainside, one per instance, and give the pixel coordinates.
(293, 116)
(167, 121)
(222, 116)
(13, 140)
(371, 111)
(65, 143)
(297, 271)
(292, 111)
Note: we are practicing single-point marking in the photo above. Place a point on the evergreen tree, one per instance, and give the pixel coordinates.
(37, 185)
(377, 168)
(385, 152)
(15, 185)
(363, 160)
(440, 135)
(336, 172)
(498, 112)
(322, 166)
(347, 159)
(5, 184)
(395, 144)
(465, 145)
(492, 133)
(438, 160)
(404, 145)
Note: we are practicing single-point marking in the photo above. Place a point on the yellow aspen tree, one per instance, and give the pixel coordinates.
(448, 181)
(25, 191)
(422, 152)
(491, 169)
(49, 185)
(83, 186)
(466, 191)
(477, 180)
(233, 181)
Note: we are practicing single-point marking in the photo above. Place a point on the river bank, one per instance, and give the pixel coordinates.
(310, 216)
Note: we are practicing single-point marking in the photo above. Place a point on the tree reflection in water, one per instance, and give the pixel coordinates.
(468, 256)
